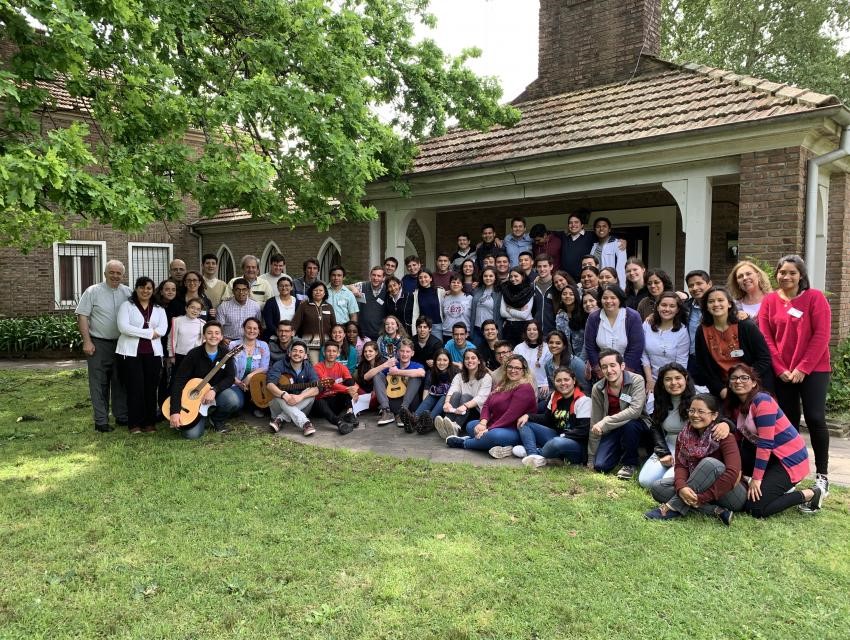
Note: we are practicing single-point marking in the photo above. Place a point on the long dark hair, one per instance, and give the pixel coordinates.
(661, 275)
(451, 371)
(480, 372)
(664, 401)
(141, 282)
(577, 317)
(733, 402)
(708, 319)
(363, 366)
(566, 354)
(201, 287)
(677, 319)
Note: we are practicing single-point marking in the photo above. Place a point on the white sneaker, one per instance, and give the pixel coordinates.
(500, 452)
(822, 482)
(519, 451)
(534, 460)
(440, 426)
(453, 427)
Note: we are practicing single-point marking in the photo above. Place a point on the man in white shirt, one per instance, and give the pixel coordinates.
(261, 290)
(213, 287)
(277, 267)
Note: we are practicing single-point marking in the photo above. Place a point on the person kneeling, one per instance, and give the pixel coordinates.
(288, 406)
(334, 404)
(706, 473)
(220, 401)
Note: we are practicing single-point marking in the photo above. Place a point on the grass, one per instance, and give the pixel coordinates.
(249, 536)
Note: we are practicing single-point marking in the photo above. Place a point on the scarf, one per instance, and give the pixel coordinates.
(517, 295)
(693, 445)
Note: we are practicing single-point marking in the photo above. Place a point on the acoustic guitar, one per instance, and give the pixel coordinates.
(396, 385)
(194, 392)
(262, 397)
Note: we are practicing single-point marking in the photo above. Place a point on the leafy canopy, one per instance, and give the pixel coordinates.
(272, 106)
(793, 41)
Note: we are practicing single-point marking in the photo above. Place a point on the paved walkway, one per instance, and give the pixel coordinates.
(393, 441)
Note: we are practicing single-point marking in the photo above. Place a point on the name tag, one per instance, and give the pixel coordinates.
(737, 353)
(796, 313)
(379, 301)
(327, 313)
(625, 397)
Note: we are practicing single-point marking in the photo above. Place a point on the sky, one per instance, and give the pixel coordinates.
(505, 31)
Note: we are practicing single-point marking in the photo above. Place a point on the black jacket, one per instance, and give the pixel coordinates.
(197, 364)
(756, 354)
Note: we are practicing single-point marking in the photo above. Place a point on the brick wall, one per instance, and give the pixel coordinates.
(586, 43)
(837, 262)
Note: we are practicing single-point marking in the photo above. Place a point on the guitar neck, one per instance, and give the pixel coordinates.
(219, 365)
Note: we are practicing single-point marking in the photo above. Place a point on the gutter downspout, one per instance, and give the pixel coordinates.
(197, 235)
(812, 177)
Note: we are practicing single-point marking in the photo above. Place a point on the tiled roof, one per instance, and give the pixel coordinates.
(667, 100)
(224, 215)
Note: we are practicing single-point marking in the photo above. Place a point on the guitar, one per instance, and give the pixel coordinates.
(262, 397)
(195, 390)
(396, 385)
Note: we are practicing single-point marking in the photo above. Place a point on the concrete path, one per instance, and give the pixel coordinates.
(393, 441)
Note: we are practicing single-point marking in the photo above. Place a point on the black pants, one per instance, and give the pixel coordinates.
(331, 407)
(774, 485)
(811, 392)
(140, 376)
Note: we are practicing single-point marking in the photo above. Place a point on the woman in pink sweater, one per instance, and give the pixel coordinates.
(796, 322)
(496, 432)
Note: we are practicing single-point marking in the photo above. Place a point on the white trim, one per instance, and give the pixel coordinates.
(131, 277)
(321, 258)
(70, 304)
(269, 251)
(221, 250)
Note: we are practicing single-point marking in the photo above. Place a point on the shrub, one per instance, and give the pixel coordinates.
(838, 397)
(54, 331)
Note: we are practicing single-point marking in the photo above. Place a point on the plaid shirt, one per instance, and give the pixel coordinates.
(231, 315)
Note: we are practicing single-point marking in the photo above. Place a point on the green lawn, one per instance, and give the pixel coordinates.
(249, 536)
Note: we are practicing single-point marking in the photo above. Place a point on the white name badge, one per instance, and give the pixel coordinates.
(327, 313)
(737, 353)
(796, 313)
(379, 301)
(625, 397)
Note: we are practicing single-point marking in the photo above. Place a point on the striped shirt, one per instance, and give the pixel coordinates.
(772, 433)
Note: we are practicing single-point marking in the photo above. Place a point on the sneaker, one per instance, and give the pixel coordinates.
(442, 428)
(385, 416)
(103, 428)
(815, 503)
(519, 452)
(425, 424)
(724, 515)
(456, 442)
(135, 431)
(662, 512)
(149, 429)
(453, 427)
(276, 424)
(308, 429)
(398, 421)
(534, 461)
(822, 482)
(501, 452)
(626, 472)
(407, 420)
(259, 413)
(222, 429)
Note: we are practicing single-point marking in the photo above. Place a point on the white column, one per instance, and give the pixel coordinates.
(396, 227)
(693, 195)
(375, 256)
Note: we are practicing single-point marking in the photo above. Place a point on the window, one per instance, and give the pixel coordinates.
(329, 256)
(149, 259)
(265, 261)
(226, 265)
(76, 266)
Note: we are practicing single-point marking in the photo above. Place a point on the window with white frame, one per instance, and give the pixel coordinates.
(76, 266)
(265, 261)
(329, 256)
(149, 259)
(226, 265)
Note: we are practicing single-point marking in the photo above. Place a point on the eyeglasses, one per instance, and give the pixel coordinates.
(742, 378)
(699, 412)
(514, 368)
(191, 280)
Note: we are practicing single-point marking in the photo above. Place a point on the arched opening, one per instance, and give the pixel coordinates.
(329, 255)
(415, 240)
(226, 264)
(265, 261)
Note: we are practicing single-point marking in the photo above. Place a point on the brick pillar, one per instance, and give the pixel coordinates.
(838, 255)
(772, 207)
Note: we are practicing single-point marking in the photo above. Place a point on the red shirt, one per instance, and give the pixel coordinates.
(797, 331)
(338, 372)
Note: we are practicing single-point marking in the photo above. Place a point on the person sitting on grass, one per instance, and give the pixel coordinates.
(287, 406)
(467, 394)
(618, 417)
(437, 381)
(222, 399)
(561, 432)
(334, 404)
(496, 432)
(459, 344)
(772, 451)
(707, 472)
(403, 372)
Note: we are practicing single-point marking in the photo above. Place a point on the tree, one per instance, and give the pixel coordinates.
(278, 107)
(791, 41)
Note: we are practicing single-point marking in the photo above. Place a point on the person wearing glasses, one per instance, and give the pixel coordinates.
(707, 471)
(772, 452)
(496, 431)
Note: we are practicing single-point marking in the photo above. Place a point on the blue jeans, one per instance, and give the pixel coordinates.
(535, 435)
(498, 437)
(227, 403)
(431, 404)
(620, 445)
(565, 448)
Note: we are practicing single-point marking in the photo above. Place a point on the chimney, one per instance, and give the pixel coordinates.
(586, 43)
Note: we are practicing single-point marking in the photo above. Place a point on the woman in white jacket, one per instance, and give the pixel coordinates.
(466, 395)
(139, 352)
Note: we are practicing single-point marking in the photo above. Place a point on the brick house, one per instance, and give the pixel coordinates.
(693, 165)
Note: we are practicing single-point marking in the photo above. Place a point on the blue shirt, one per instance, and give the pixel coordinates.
(513, 247)
(456, 353)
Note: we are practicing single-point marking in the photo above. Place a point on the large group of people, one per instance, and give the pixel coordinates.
(552, 346)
